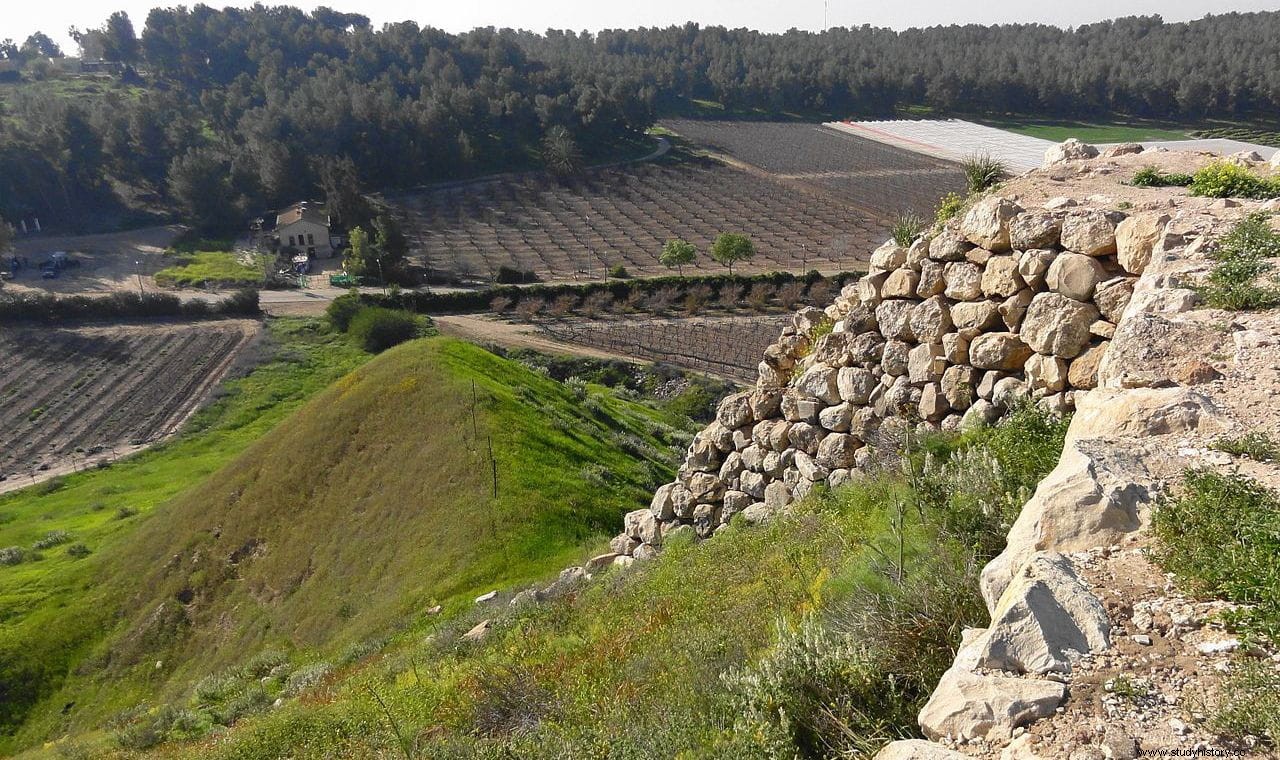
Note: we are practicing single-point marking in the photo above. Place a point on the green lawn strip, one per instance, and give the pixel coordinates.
(1090, 132)
(220, 267)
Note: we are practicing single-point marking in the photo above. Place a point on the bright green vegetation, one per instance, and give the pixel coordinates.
(1152, 176)
(1091, 132)
(1257, 446)
(428, 476)
(817, 635)
(221, 268)
(1220, 536)
(1242, 258)
(1223, 179)
(906, 228)
(49, 608)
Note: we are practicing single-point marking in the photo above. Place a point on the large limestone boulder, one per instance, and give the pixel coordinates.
(931, 282)
(1089, 231)
(888, 256)
(1014, 308)
(1144, 412)
(917, 749)
(894, 318)
(1046, 373)
(974, 316)
(926, 363)
(735, 411)
(1156, 350)
(968, 706)
(1033, 264)
(869, 287)
(1112, 297)
(1000, 351)
(855, 384)
(958, 386)
(1093, 497)
(895, 358)
(963, 281)
(900, 284)
(819, 381)
(1136, 238)
(1058, 325)
(1069, 150)
(1045, 619)
(1000, 278)
(837, 451)
(930, 320)
(949, 245)
(1074, 275)
(836, 418)
(986, 225)
(933, 402)
(1035, 229)
(1082, 373)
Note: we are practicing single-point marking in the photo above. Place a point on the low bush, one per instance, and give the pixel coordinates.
(1257, 446)
(983, 171)
(1223, 179)
(51, 539)
(511, 276)
(376, 329)
(949, 208)
(343, 309)
(1152, 176)
(1241, 259)
(906, 228)
(1220, 535)
(48, 308)
(1248, 703)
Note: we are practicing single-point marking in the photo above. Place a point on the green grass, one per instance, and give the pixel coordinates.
(49, 614)
(221, 268)
(1242, 259)
(793, 639)
(1090, 132)
(1258, 135)
(371, 503)
(1257, 446)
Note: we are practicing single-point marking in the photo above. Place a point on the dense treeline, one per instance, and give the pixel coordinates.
(230, 111)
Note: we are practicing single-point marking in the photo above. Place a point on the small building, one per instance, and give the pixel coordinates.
(304, 227)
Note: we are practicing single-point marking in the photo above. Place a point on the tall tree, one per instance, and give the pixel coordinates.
(731, 248)
(676, 254)
(119, 42)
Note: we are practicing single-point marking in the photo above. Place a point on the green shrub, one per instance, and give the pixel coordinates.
(1223, 179)
(983, 171)
(376, 329)
(1256, 446)
(1241, 260)
(1220, 535)
(343, 309)
(12, 555)
(78, 551)
(511, 276)
(51, 539)
(906, 228)
(619, 272)
(1248, 702)
(1151, 176)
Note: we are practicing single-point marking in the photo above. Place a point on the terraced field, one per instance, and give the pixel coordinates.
(70, 396)
(728, 347)
(880, 179)
(622, 216)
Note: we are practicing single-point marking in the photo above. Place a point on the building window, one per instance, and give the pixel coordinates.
(291, 243)
(311, 239)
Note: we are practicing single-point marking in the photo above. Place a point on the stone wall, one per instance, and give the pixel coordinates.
(1004, 304)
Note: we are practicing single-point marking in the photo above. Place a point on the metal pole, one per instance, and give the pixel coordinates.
(137, 268)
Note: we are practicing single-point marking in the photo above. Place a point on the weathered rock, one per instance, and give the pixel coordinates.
(964, 281)
(806, 437)
(479, 631)
(1152, 349)
(1144, 412)
(705, 487)
(836, 418)
(1046, 617)
(859, 318)
(1035, 229)
(809, 468)
(1000, 350)
(832, 349)
(894, 360)
(661, 506)
(753, 483)
(1091, 498)
(933, 402)
(926, 363)
(978, 256)
(901, 283)
(1136, 238)
(703, 455)
(930, 320)
(1069, 150)
(869, 287)
(956, 348)
(758, 513)
(806, 319)
(894, 318)
(777, 495)
(1009, 391)
(931, 282)
(819, 382)
(987, 383)
(1014, 308)
(889, 256)
(1113, 296)
(1123, 149)
(1089, 231)
(957, 386)
(1057, 325)
(1074, 275)
(986, 224)
(948, 245)
(797, 407)
(623, 544)
(735, 411)
(1083, 371)
(1033, 264)
(632, 522)
(863, 424)
(917, 749)
(1046, 373)
(968, 706)
(1000, 278)
(644, 552)
(918, 252)
(982, 412)
(866, 347)
(855, 384)
(706, 518)
(734, 502)
(974, 316)
(765, 404)
(837, 450)
(770, 378)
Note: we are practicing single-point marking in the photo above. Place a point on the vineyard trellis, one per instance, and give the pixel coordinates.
(729, 347)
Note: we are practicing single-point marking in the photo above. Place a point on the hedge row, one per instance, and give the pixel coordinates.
(473, 301)
(49, 308)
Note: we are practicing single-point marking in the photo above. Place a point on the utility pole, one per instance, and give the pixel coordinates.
(137, 268)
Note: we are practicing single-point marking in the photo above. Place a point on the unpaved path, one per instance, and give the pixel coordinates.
(482, 329)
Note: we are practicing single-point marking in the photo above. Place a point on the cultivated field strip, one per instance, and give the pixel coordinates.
(71, 394)
(884, 179)
(729, 347)
(622, 216)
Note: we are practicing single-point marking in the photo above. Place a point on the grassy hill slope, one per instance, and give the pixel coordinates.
(371, 503)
